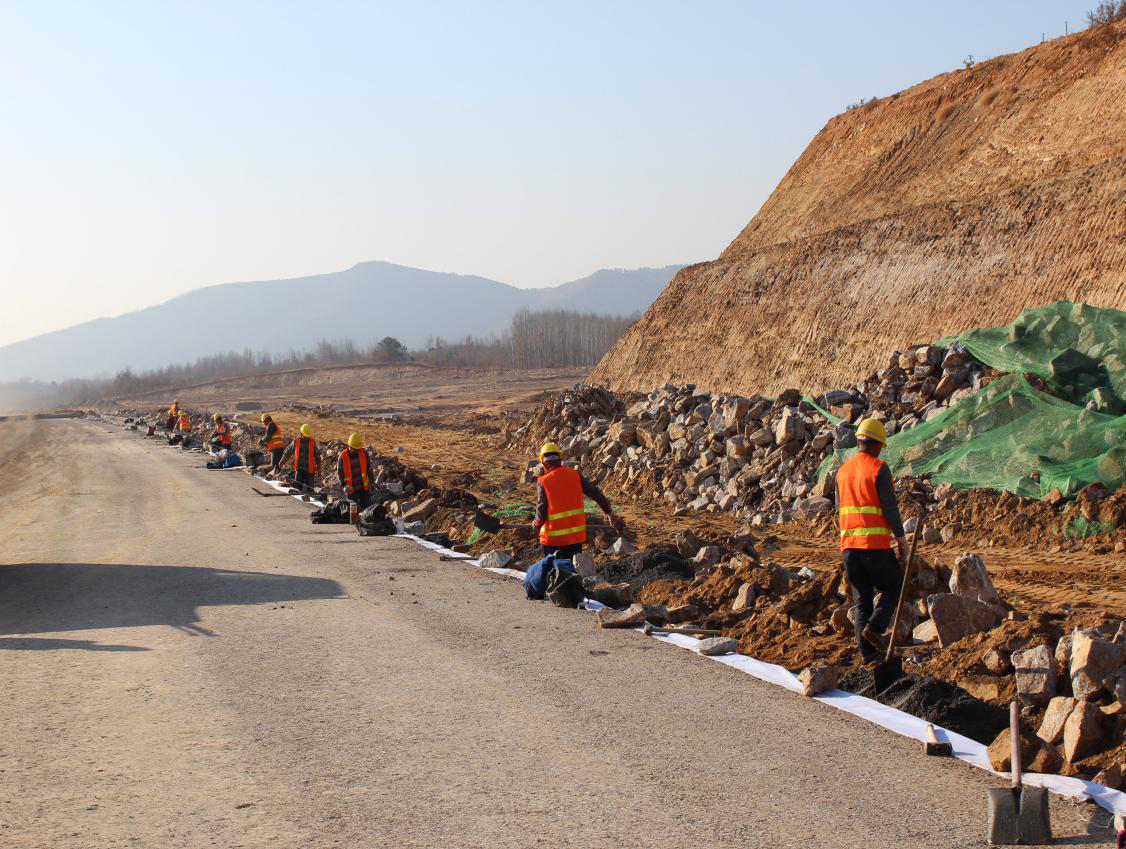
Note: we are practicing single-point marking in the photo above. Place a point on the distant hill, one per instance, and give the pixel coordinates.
(365, 303)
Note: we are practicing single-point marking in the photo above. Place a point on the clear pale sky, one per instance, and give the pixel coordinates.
(150, 148)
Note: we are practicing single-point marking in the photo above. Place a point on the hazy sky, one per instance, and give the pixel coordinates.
(154, 147)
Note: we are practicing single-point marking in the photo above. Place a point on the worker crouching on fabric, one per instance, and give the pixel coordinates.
(305, 459)
(173, 415)
(869, 520)
(183, 435)
(560, 505)
(221, 435)
(354, 470)
(273, 442)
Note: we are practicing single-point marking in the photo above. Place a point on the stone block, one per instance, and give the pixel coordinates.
(1055, 717)
(717, 645)
(1035, 670)
(744, 598)
(496, 560)
(970, 578)
(1035, 754)
(817, 679)
(1083, 731)
(631, 617)
(957, 616)
(1093, 660)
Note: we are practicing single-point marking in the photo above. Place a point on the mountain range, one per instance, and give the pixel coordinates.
(365, 303)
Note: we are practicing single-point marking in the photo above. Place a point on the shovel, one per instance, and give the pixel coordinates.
(270, 494)
(891, 670)
(1018, 815)
(491, 524)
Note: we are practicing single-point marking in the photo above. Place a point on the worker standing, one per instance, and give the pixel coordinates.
(869, 519)
(560, 505)
(354, 469)
(173, 415)
(273, 442)
(221, 435)
(305, 458)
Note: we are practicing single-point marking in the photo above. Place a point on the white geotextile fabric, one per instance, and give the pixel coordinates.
(901, 723)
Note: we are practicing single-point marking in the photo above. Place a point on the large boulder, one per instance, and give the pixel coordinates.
(1055, 717)
(970, 578)
(1035, 754)
(1083, 731)
(1093, 660)
(717, 645)
(790, 427)
(958, 616)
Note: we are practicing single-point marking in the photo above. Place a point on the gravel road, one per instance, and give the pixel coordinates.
(188, 664)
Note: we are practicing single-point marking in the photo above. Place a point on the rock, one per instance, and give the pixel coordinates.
(622, 546)
(1083, 731)
(996, 662)
(736, 447)
(687, 543)
(1035, 754)
(988, 688)
(969, 578)
(1110, 777)
(790, 427)
(421, 512)
(631, 617)
(817, 679)
(762, 437)
(931, 536)
(957, 616)
(682, 613)
(925, 632)
(584, 564)
(612, 595)
(658, 614)
(1115, 684)
(1035, 670)
(789, 397)
(744, 598)
(717, 645)
(1063, 656)
(1092, 661)
(813, 506)
(708, 555)
(950, 531)
(1055, 717)
(944, 491)
(496, 560)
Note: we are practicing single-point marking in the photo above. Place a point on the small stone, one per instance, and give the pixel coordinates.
(744, 598)
(950, 531)
(931, 535)
(925, 632)
(1035, 754)
(817, 679)
(496, 560)
(422, 511)
(996, 662)
(622, 546)
(708, 555)
(1055, 717)
(687, 543)
(717, 645)
(944, 491)
(1035, 670)
(584, 564)
(1063, 656)
(631, 617)
(988, 688)
(1082, 733)
(1110, 777)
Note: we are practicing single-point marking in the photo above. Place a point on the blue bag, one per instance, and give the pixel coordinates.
(535, 579)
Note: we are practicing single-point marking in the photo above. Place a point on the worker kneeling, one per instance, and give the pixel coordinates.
(305, 459)
(560, 505)
(221, 435)
(354, 469)
(869, 518)
(183, 435)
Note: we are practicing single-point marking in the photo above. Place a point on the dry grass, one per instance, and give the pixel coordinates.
(988, 97)
(945, 112)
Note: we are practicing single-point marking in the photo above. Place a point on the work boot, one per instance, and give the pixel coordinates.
(875, 639)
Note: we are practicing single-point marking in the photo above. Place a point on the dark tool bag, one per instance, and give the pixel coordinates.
(564, 587)
(374, 522)
(333, 513)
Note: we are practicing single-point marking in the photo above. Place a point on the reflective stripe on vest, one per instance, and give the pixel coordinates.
(223, 431)
(861, 516)
(185, 424)
(305, 454)
(566, 516)
(274, 440)
(353, 469)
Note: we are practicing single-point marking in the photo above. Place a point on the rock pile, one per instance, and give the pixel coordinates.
(704, 451)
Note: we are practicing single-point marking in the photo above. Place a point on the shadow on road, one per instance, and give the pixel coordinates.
(48, 597)
(49, 644)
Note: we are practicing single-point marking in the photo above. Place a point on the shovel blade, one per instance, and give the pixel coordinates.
(887, 673)
(484, 522)
(1018, 816)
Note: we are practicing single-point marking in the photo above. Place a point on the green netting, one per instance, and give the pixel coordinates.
(1002, 435)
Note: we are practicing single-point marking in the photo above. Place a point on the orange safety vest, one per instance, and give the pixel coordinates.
(274, 438)
(862, 517)
(223, 431)
(353, 470)
(174, 410)
(305, 454)
(566, 513)
(185, 424)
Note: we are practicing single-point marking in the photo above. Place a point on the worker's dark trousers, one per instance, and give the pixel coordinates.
(305, 480)
(869, 570)
(563, 550)
(362, 497)
(276, 454)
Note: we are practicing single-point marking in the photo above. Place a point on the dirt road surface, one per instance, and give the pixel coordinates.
(188, 664)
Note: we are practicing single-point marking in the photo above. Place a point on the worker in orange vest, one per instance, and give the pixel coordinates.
(869, 520)
(305, 458)
(273, 442)
(560, 511)
(184, 429)
(221, 435)
(173, 415)
(354, 470)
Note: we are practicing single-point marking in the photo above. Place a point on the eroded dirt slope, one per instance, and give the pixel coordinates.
(953, 204)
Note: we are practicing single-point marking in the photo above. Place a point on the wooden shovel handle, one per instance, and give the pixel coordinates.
(903, 589)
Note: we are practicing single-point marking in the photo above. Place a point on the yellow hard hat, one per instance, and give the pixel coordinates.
(355, 441)
(265, 417)
(550, 448)
(306, 430)
(217, 416)
(872, 429)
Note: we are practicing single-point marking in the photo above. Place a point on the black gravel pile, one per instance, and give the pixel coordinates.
(934, 700)
(652, 564)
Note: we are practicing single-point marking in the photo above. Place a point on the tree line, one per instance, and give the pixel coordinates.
(533, 340)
